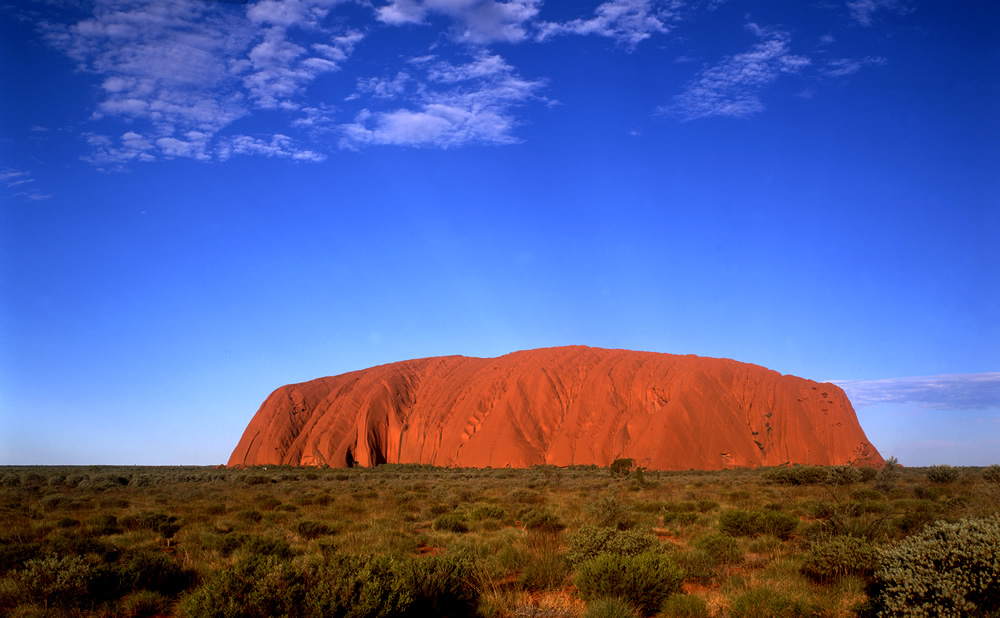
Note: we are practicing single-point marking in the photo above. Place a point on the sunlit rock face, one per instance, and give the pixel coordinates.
(558, 406)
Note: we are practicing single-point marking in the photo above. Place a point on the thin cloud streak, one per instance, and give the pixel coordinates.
(732, 87)
(945, 392)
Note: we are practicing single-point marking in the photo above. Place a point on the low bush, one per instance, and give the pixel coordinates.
(685, 606)
(610, 512)
(681, 519)
(942, 474)
(843, 475)
(833, 559)
(796, 475)
(544, 521)
(488, 511)
(265, 546)
(255, 586)
(57, 581)
(451, 522)
(706, 506)
(722, 549)
(312, 529)
(948, 569)
(992, 473)
(590, 541)
(737, 522)
(646, 580)
(757, 602)
(610, 608)
(543, 565)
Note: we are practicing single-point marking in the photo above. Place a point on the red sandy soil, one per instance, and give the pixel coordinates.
(559, 406)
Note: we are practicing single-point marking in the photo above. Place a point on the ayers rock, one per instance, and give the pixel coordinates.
(560, 406)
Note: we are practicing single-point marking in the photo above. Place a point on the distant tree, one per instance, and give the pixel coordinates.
(622, 466)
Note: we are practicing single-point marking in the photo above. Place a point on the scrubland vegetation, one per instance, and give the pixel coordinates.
(408, 540)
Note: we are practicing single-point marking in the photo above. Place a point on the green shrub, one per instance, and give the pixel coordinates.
(949, 569)
(942, 474)
(843, 475)
(158, 572)
(992, 473)
(868, 474)
(451, 522)
(610, 608)
(866, 495)
(737, 522)
(543, 565)
(312, 529)
(705, 506)
(439, 586)
(621, 467)
(830, 560)
(610, 512)
(488, 511)
(698, 566)
(256, 586)
(265, 546)
(722, 549)
(590, 541)
(250, 516)
(757, 602)
(646, 580)
(105, 524)
(685, 606)
(144, 603)
(59, 581)
(544, 521)
(926, 493)
(379, 586)
(796, 475)
(267, 502)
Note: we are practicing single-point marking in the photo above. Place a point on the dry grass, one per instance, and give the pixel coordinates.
(517, 570)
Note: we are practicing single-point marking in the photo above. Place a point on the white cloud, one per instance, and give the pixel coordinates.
(732, 87)
(945, 392)
(842, 67)
(862, 11)
(279, 146)
(627, 21)
(458, 104)
(473, 21)
(178, 73)
(401, 12)
(12, 178)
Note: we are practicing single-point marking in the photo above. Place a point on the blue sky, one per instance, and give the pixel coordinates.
(203, 200)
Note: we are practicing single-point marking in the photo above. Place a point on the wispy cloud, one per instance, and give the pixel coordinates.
(456, 105)
(627, 21)
(22, 185)
(278, 146)
(473, 21)
(945, 392)
(732, 87)
(179, 72)
(842, 67)
(863, 11)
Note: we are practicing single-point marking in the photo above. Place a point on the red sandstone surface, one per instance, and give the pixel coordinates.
(559, 406)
